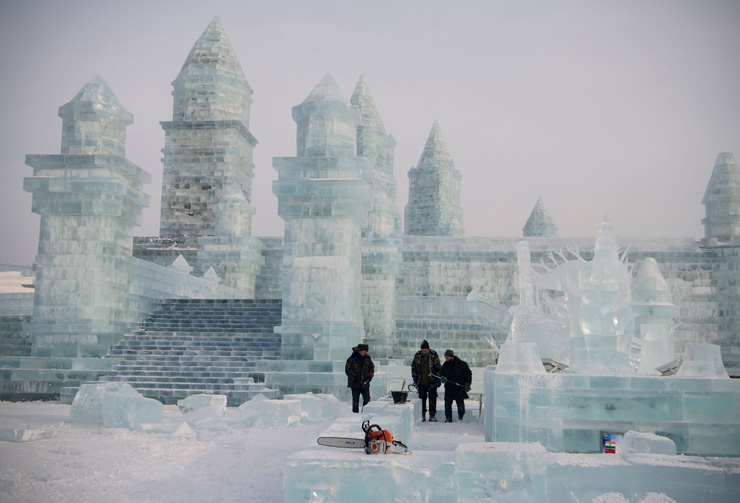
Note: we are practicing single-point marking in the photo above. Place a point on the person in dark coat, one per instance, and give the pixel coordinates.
(360, 370)
(425, 363)
(457, 377)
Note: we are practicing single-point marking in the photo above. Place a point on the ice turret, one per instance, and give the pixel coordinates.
(540, 223)
(232, 253)
(89, 198)
(381, 248)
(94, 122)
(722, 203)
(327, 122)
(211, 84)
(323, 197)
(434, 192)
(208, 145)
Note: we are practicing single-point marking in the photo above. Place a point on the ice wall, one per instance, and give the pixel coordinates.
(89, 198)
(323, 197)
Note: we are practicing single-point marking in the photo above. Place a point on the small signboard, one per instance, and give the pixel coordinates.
(609, 441)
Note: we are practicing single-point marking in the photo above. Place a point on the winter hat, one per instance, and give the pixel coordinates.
(424, 345)
(363, 347)
(449, 353)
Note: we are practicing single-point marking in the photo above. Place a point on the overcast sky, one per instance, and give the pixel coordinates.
(613, 107)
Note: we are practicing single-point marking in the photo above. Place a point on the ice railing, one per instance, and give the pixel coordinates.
(453, 308)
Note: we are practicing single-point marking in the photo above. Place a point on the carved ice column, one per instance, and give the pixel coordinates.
(89, 198)
(323, 197)
(381, 246)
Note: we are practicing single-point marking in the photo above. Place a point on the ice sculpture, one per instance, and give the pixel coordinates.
(702, 360)
(540, 223)
(323, 196)
(594, 307)
(602, 390)
(434, 192)
(89, 198)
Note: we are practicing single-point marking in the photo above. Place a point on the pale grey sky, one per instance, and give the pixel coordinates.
(617, 107)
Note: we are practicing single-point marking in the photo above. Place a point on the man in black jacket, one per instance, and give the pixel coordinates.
(425, 364)
(360, 370)
(457, 377)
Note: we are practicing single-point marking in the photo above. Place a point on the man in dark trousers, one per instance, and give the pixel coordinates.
(360, 370)
(426, 362)
(457, 377)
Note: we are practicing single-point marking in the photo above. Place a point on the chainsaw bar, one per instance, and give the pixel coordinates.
(344, 443)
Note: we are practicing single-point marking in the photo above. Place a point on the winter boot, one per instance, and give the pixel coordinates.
(424, 418)
(448, 420)
(432, 419)
(460, 417)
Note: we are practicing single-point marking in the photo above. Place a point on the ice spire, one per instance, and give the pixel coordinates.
(211, 84)
(540, 223)
(434, 192)
(94, 121)
(722, 202)
(435, 150)
(327, 122)
(362, 99)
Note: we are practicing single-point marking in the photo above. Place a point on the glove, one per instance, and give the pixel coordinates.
(416, 380)
(467, 387)
(438, 383)
(443, 379)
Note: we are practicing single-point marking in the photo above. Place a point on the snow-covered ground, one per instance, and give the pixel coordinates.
(92, 463)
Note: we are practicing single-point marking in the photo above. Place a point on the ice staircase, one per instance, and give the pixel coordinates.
(191, 346)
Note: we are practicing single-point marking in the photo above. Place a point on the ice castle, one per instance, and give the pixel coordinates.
(207, 307)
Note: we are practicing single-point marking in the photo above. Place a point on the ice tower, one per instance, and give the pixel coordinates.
(434, 192)
(208, 146)
(381, 246)
(540, 223)
(89, 198)
(722, 203)
(323, 196)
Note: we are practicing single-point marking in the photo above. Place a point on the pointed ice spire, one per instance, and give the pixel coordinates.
(434, 192)
(211, 84)
(362, 99)
(722, 201)
(540, 223)
(607, 245)
(327, 122)
(435, 150)
(104, 117)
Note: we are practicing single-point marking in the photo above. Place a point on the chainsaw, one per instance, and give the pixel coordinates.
(376, 441)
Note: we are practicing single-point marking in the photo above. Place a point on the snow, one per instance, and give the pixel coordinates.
(92, 463)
